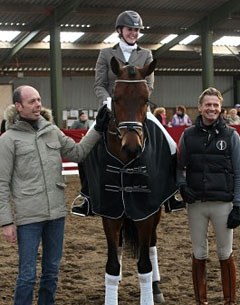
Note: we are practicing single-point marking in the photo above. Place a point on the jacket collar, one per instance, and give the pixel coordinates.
(25, 126)
(117, 52)
(217, 125)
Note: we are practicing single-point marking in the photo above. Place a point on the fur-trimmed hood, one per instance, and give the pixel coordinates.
(47, 114)
(11, 115)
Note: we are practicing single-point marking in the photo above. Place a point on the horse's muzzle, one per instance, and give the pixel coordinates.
(132, 152)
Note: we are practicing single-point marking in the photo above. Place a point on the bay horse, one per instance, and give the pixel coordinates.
(131, 174)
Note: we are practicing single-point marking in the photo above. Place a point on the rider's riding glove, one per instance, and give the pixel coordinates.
(187, 194)
(234, 218)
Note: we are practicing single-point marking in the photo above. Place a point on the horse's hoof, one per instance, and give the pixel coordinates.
(158, 298)
(157, 294)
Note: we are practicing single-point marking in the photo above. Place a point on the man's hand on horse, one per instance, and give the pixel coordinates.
(187, 194)
(102, 119)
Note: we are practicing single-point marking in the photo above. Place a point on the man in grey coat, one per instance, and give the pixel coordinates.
(31, 152)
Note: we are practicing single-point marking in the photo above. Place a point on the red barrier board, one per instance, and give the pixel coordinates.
(175, 132)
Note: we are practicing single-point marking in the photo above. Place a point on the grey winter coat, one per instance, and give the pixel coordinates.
(105, 78)
(30, 170)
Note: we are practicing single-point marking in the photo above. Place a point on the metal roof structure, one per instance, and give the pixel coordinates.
(33, 18)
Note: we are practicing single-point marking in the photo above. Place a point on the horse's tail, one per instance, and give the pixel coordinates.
(130, 236)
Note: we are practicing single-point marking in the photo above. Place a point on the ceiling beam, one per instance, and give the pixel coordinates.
(107, 30)
(28, 64)
(99, 11)
(24, 9)
(223, 12)
(224, 50)
(98, 28)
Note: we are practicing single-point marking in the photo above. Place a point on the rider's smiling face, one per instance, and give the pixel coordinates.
(130, 35)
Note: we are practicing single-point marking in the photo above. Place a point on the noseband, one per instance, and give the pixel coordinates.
(128, 125)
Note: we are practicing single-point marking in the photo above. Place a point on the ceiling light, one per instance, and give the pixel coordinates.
(70, 36)
(8, 35)
(113, 38)
(66, 36)
(168, 38)
(228, 40)
(188, 39)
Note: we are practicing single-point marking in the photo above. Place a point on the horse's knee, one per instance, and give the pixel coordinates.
(144, 266)
(113, 268)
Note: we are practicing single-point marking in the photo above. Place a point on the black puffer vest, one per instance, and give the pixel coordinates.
(209, 165)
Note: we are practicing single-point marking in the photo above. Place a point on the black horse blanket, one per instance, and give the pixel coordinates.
(137, 189)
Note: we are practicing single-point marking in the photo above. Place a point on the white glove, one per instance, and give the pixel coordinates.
(108, 102)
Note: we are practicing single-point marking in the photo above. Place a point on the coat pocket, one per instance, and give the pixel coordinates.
(54, 145)
(53, 151)
(61, 185)
(24, 149)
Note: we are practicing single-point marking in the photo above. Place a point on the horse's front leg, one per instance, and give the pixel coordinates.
(112, 275)
(156, 277)
(144, 263)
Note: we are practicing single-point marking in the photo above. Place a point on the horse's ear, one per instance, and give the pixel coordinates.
(115, 66)
(148, 69)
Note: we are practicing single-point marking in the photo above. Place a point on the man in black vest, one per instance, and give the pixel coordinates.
(208, 176)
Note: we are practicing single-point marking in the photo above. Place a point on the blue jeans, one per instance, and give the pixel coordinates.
(50, 233)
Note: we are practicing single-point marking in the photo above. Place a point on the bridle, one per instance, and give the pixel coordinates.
(128, 125)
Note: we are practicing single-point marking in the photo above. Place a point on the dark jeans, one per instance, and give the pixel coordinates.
(29, 237)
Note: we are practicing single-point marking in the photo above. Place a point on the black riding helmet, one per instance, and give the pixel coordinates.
(129, 19)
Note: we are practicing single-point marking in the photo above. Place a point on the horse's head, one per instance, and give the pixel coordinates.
(129, 105)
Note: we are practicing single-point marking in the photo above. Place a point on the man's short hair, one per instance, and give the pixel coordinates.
(210, 91)
(17, 95)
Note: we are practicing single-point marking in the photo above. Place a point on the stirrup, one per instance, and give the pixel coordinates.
(80, 206)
